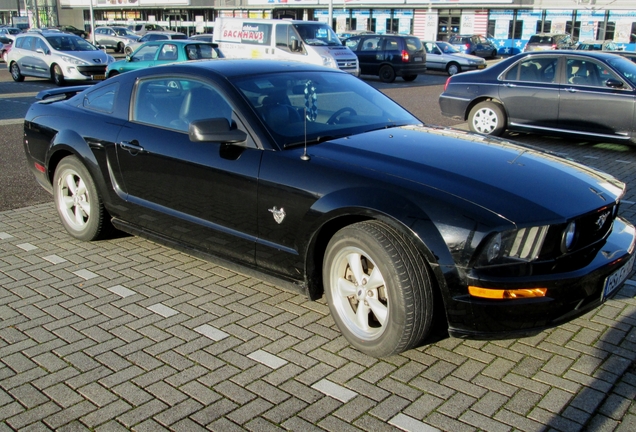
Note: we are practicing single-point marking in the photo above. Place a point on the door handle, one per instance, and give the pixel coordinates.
(510, 85)
(132, 147)
(571, 90)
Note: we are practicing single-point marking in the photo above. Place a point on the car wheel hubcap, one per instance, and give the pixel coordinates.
(359, 293)
(485, 120)
(73, 201)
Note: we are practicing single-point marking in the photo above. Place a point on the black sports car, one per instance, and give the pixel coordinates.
(313, 176)
(585, 93)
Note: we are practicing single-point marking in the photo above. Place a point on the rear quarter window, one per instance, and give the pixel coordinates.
(413, 44)
(102, 99)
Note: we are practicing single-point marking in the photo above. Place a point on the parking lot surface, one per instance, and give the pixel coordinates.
(126, 334)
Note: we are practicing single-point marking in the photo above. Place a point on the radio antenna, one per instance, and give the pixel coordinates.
(305, 156)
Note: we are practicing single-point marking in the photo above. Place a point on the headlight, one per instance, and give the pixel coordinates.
(329, 62)
(73, 61)
(522, 245)
(569, 236)
(110, 60)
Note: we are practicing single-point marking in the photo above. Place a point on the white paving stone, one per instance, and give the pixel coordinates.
(54, 259)
(334, 390)
(211, 332)
(27, 246)
(85, 274)
(4, 236)
(121, 291)
(162, 310)
(269, 360)
(409, 424)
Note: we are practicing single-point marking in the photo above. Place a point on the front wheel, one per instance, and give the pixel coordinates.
(5, 57)
(453, 68)
(387, 74)
(128, 51)
(57, 76)
(487, 118)
(77, 201)
(15, 73)
(378, 289)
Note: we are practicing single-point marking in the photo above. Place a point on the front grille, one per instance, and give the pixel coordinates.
(92, 70)
(348, 65)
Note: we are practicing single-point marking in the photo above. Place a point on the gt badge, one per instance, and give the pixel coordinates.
(279, 215)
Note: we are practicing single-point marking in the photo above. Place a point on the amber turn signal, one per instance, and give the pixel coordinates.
(507, 293)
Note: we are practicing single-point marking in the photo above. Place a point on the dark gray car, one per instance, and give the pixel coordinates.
(549, 41)
(476, 45)
(585, 93)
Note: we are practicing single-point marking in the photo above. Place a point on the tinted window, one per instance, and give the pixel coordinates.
(587, 73)
(102, 100)
(541, 69)
(540, 39)
(413, 44)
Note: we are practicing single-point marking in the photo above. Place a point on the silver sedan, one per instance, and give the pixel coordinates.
(443, 56)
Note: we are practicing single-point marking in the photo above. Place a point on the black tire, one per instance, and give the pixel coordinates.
(493, 54)
(112, 74)
(120, 47)
(15, 72)
(77, 201)
(453, 68)
(387, 74)
(487, 118)
(409, 78)
(57, 76)
(397, 306)
(128, 51)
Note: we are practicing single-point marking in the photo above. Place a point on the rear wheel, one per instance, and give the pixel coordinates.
(453, 68)
(57, 76)
(493, 54)
(5, 57)
(120, 47)
(128, 51)
(487, 118)
(15, 72)
(378, 288)
(77, 201)
(409, 77)
(387, 74)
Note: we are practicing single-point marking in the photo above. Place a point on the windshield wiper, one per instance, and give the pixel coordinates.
(316, 140)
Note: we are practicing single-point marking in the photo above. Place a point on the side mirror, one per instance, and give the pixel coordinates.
(128, 57)
(295, 47)
(215, 130)
(614, 83)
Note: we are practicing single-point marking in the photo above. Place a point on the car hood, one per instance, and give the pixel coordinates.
(520, 183)
(465, 57)
(94, 57)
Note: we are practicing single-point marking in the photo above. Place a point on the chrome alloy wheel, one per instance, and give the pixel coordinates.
(74, 201)
(359, 293)
(485, 120)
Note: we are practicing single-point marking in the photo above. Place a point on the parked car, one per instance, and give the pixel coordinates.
(153, 36)
(142, 28)
(476, 45)
(58, 56)
(549, 41)
(162, 52)
(10, 32)
(597, 45)
(586, 93)
(445, 57)
(314, 177)
(5, 47)
(203, 37)
(115, 38)
(350, 33)
(388, 56)
(74, 30)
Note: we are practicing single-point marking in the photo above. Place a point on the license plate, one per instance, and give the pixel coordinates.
(418, 59)
(617, 278)
(99, 77)
(481, 66)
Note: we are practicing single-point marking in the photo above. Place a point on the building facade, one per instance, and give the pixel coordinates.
(510, 23)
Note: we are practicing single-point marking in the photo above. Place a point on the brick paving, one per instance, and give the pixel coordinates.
(126, 334)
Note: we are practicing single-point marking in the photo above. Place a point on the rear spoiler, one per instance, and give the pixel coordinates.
(60, 93)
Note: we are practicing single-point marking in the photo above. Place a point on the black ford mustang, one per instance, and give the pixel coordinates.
(312, 176)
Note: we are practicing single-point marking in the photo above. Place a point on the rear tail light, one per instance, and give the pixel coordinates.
(466, 47)
(405, 56)
(554, 46)
(447, 82)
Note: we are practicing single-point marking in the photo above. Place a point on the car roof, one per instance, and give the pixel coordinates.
(181, 42)
(237, 67)
(164, 32)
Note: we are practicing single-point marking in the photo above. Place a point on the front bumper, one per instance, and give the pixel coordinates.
(569, 295)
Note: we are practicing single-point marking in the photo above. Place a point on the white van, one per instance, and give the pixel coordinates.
(306, 41)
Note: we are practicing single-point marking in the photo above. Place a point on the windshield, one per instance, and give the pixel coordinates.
(447, 48)
(317, 34)
(299, 107)
(66, 42)
(123, 31)
(625, 67)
